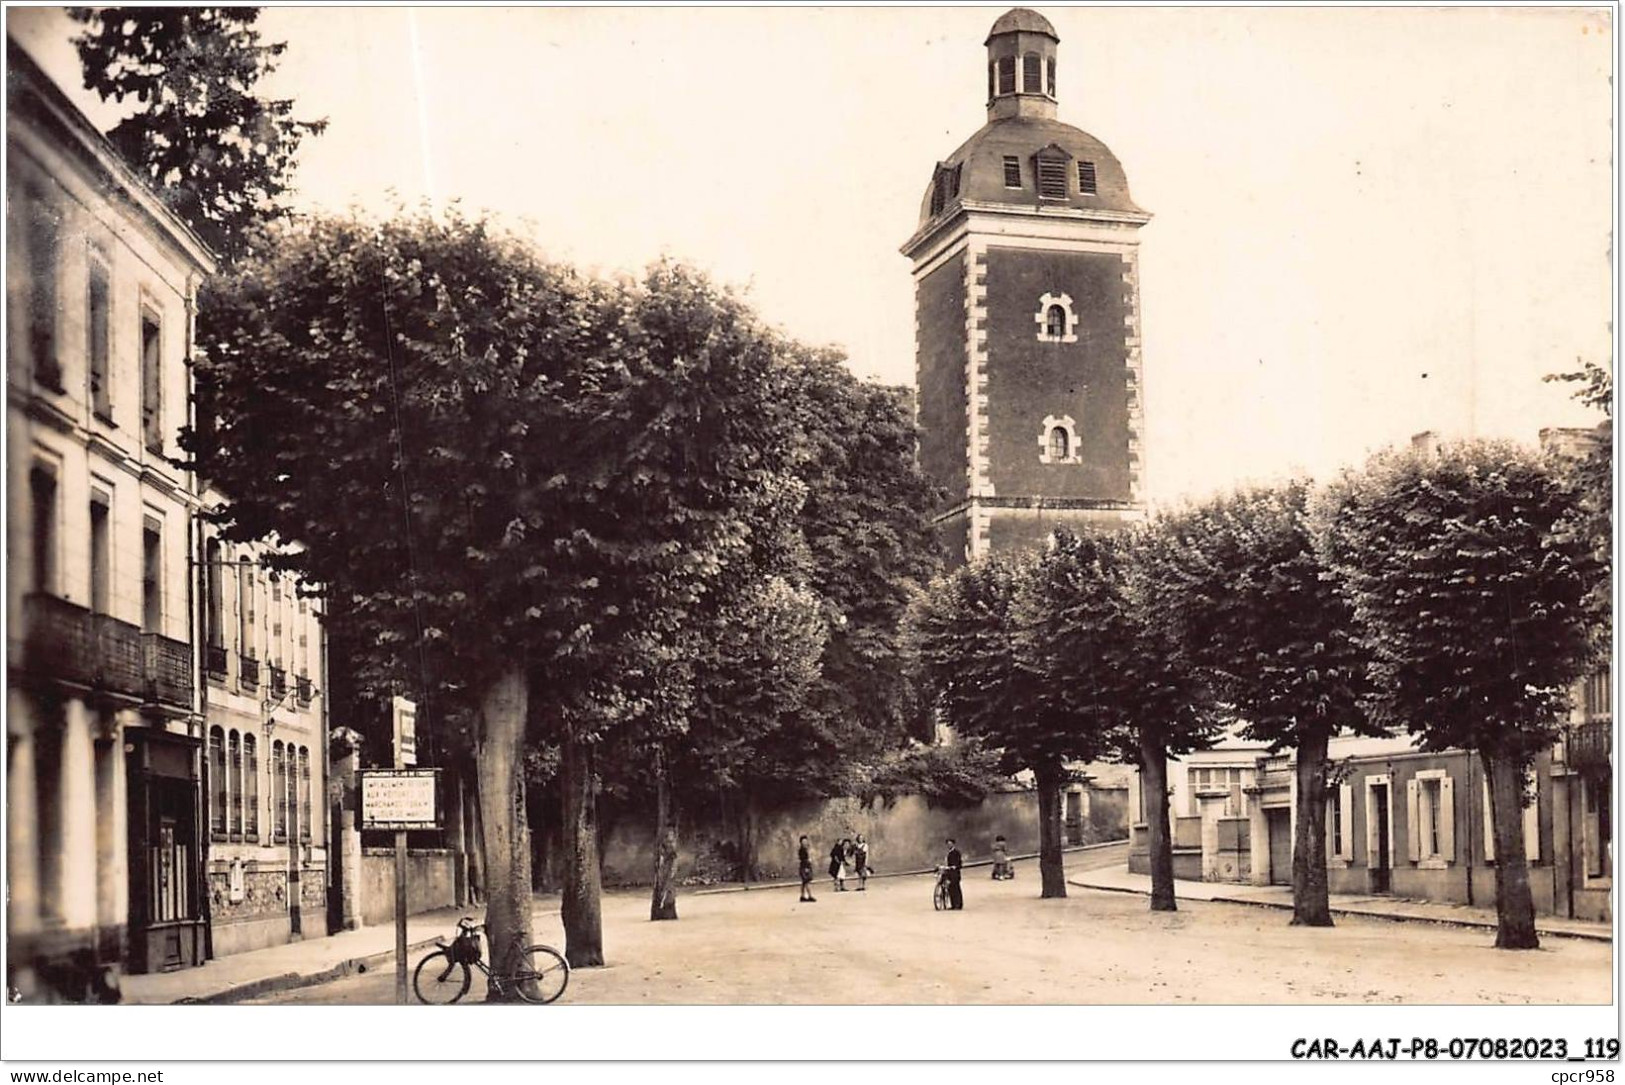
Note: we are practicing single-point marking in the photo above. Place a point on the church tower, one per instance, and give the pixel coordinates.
(1027, 315)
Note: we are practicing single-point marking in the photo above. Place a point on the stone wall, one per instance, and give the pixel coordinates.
(904, 834)
(430, 882)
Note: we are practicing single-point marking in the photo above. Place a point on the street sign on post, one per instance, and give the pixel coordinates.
(406, 732)
(398, 798)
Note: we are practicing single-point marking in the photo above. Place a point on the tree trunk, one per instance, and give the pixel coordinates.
(582, 906)
(474, 823)
(1154, 779)
(749, 869)
(1051, 868)
(507, 841)
(1514, 904)
(1310, 904)
(457, 836)
(536, 799)
(663, 903)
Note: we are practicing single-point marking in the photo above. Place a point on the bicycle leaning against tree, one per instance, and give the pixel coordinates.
(443, 977)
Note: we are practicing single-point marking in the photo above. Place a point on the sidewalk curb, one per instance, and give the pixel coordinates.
(760, 886)
(289, 981)
(1441, 921)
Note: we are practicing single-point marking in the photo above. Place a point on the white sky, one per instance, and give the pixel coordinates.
(1367, 222)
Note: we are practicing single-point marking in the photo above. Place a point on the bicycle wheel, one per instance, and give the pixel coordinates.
(542, 976)
(439, 980)
(939, 897)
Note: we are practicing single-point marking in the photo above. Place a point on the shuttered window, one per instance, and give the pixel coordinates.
(1430, 814)
(251, 788)
(1012, 171)
(1339, 823)
(1007, 75)
(1032, 74)
(1052, 178)
(1086, 178)
(944, 187)
(99, 318)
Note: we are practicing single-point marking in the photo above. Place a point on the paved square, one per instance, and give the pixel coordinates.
(887, 946)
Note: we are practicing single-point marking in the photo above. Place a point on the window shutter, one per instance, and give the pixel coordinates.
(1345, 803)
(1489, 823)
(1447, 819)
(1331, 837)
(1531, 819)
(1371, 837)
(1087, 183)
(1413, 824)
(1032, 74)
(1012, 171)
(1052, 179)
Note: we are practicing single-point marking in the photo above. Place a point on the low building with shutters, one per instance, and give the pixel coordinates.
(1399, 821)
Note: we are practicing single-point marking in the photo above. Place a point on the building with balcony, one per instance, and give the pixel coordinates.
(104, 734)
(263, 697)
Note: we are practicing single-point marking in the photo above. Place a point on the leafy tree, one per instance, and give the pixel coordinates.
(219, 153)
(731, 677)
(509, 474)
(969, 643)
(1256, 618)
(866, 548)
(962, 773)
(1098, 653)
(1474, 604)
(1592, 466)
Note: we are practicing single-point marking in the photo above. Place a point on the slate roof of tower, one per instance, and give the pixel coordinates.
(981, 178)
(1022, 19)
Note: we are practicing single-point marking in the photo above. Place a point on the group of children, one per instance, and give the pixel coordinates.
(847, 859)
(850, 859)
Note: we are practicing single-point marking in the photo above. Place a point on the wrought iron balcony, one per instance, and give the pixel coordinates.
(248, 670)
(215, 660)
(279, 683)
(169, 670)
(1590, 745)
(302, 689)
(57, 639)
(119, 663)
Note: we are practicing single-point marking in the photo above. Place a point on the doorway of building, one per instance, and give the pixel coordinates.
(1074, 817)
(1280, 830)
(166, 924)
(1381, 874)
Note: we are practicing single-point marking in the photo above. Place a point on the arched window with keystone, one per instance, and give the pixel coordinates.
(1056, 319)
(1058, 440)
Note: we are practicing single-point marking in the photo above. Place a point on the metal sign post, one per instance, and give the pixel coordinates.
(401, 799)
(406, 753)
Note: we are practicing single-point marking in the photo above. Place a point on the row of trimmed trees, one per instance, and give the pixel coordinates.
(1449, 595)
(620, 524)
(618, 539)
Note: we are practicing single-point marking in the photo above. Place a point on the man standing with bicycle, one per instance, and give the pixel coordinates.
(955, 864)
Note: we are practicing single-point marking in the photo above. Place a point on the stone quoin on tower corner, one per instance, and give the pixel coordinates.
(1027, 310)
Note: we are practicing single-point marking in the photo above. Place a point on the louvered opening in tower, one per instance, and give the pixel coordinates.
(1086, 179)
(1052, 179)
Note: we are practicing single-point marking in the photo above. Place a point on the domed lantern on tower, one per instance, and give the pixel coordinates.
(1026, 271)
